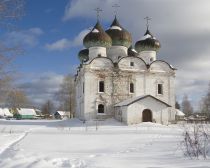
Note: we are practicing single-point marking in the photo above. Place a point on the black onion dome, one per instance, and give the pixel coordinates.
(97, 37)
(132, 51)
(119, 35)
(147, 43)
(83, 55)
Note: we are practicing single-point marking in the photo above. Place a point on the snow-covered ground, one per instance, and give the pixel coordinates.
(110, 144)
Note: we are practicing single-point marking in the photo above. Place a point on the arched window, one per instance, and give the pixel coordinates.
(160, 88)
(131, 88)
(101, 86)
(100, 108)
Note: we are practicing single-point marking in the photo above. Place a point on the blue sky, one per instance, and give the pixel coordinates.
(47, 16)
(51, 34)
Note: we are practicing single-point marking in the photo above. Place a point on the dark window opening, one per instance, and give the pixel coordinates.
(100, 108)
(160, 89)
(131, 88)
(99, 55)
(83, 87)
(101, 86)
(131, 63)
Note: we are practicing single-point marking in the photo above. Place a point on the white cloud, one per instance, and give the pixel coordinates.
(59, 45)
(36, 31)
(64, 43)
(26, 37)
(174, 14)
(42, 87)
(75, 9)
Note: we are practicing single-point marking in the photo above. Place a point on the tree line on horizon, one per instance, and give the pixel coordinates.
(204, 105)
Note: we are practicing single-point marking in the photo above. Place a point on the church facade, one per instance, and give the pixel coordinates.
(116, 80)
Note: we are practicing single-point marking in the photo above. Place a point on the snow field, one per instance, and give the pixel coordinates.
(72, 144)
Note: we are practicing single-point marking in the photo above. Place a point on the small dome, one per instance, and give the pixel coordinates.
(119, 35)
(147, 43)
(83, 55)
(132, 51)
(97, 37)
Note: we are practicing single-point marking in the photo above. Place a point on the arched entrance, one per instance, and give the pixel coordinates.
(147, 115)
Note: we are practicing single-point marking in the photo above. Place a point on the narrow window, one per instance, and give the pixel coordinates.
(131, 88)
(132, 64)
(83, 87)
(100, 108)
(160, 88)
(101, 86)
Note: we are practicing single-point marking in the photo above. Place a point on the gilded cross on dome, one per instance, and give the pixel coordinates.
(98, 10)
(115, 6)
(147, 20)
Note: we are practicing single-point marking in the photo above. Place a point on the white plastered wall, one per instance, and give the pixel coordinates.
(159, 111)
(116, 52)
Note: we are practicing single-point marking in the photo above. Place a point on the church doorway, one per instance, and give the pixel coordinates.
(100, 108)
(147, 115)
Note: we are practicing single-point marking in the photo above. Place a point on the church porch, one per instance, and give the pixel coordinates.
(142, 109)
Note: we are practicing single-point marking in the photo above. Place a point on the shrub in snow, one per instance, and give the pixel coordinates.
(196, 141)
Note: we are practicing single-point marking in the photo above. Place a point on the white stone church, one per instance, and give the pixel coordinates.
(116, 80)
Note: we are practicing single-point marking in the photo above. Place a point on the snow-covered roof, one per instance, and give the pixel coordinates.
(63, 113)
(26, 111)
(1, 112)
(95, 30)
(5, 112)
(116, 28)
(134, 50)
(179, 113)
(37, 110)
(147, 36)
(127, 102)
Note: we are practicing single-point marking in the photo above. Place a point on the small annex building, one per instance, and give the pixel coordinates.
(5, 113)
(61, 114)
(144, 108)
(25, 113)
(179, 115)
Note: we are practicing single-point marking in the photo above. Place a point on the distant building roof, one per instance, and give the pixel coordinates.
(26, 111)
(63, 113)
(5, 112)
(179, 113)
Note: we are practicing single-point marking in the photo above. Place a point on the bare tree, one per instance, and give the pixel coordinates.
(177, 105)
(186, 106)
(10, 10)
(17, 99)
(66, 95)
(205, 103)
(196, 141)
(48, 108)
